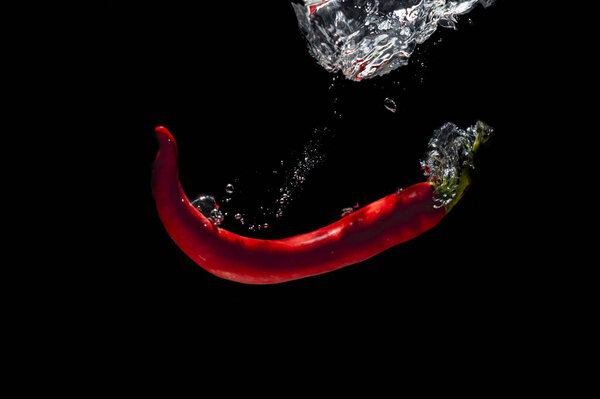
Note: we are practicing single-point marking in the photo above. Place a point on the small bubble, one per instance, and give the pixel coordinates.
(398, 192)
(347, 211)
(229, 188)
(266, 226)
(390, 104)
(238, 216)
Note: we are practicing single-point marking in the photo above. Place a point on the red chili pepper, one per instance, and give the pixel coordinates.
(366, 232)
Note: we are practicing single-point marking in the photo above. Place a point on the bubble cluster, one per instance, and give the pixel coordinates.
(208, 206)
(292, 175)
(450, 152)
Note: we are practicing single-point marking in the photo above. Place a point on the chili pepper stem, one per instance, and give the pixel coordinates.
(484, 133)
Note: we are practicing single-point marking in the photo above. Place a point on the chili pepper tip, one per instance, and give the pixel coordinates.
(161, 130)
(163, 133)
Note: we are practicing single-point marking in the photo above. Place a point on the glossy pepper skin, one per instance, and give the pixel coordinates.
(368, 231)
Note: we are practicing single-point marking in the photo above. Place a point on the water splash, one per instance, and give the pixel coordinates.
(449, 157)
(367, 38)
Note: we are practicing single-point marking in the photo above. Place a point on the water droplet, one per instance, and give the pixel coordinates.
(266, 226)
(390, 104)
(229, 188)
(238, 216)
(398, 192)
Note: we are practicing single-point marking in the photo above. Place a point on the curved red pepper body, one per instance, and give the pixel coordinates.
(368, 231)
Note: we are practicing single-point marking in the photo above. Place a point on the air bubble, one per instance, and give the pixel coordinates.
(347, 211)
(205, 204)
(216, 216)
(390, 104)
(229, 188)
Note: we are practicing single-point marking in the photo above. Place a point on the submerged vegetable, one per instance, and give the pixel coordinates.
(360, 235)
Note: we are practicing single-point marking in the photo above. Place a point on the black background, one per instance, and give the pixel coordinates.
(103, 299)
(240, 92)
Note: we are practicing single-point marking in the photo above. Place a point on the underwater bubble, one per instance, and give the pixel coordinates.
(347, 211)
(216, 216)
(390, 104)
(229, 188)
(205, 204)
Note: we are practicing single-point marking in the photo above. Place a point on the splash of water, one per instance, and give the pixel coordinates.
(367, 38)
(450, 155)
